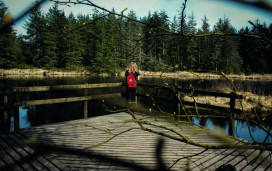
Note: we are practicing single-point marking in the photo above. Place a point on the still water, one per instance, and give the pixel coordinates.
(46, 114)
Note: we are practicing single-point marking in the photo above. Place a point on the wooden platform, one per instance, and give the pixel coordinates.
(135, 146)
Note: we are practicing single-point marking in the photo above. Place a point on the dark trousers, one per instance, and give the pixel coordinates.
(131, 93)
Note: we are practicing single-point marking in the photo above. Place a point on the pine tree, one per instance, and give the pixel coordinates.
(172, 44)
(74, 52)
(190, 60)
(204, 44)
(155, 40)
(182, 39)
(110, 45)
(85, 39)
(226, 56)
(36, 37)
(262, 56)
(97, 60)
(57, 22)
(8, 44)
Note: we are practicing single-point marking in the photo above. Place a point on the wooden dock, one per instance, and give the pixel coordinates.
(136, 146)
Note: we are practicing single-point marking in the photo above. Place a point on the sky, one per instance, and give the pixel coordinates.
(238, 14)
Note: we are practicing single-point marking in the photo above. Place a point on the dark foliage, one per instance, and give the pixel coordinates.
(104, 42)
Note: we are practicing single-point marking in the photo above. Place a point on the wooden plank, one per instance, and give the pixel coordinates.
(65, 100)
(265, 161)
(23, 153)
(18, 157)
(60, 87)
(254, 161)
(49, 163)
(137, 145)
(13, 156)
(7, 158)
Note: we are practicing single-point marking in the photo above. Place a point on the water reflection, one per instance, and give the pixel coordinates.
(241, 128)
(24, 120)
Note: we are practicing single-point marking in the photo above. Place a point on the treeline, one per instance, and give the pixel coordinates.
(103, 42)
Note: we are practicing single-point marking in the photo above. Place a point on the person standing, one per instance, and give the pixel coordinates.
(132, 77)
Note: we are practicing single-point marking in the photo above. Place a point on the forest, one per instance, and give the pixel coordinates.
(106, 42)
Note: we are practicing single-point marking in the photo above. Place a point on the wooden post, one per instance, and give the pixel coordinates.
(5, 102)
(178, 104)
(16, 119)
(15, 110)
(85, 104)
(232, 107)
(136, 100)
(5, 99)
(232, 101)
(179, 109)
(231, 125)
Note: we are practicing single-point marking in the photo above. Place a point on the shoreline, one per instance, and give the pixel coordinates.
(189, 75)
(43, 73)
(40, 73)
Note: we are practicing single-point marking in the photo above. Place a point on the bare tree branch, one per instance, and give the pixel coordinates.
(89, 3)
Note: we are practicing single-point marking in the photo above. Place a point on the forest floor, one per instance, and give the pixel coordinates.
(22, 73)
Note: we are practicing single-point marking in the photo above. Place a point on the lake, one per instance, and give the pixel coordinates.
(46, 114)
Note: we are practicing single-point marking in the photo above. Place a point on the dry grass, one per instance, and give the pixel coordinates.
(250, 102)
(191, 75)
(7, 73)
(25, 73)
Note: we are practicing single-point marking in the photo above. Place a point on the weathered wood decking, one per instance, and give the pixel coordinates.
(135, 146)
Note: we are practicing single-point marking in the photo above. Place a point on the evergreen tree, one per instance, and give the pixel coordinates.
(97, 60)
(182, 40)
(121, 50)
(190, 59)
(204, 44)
(36, 38)
(8, 44)
(110, 44)
(246, 45)
(74, 52)
(57, 22)
(226, 56)
(262, 56)
(172, 44)
(155, 40)
(85, 39)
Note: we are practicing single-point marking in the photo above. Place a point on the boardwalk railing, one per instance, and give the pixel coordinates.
(15, 91)
(232, 96)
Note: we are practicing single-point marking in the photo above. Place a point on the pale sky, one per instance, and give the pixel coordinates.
(238, 14)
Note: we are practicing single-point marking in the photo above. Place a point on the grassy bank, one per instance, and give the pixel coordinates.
(250, 103)
(21, 73)
(189, 75)
(25, 73)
